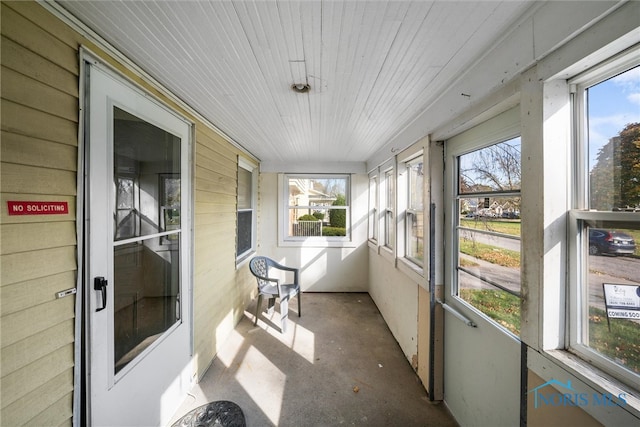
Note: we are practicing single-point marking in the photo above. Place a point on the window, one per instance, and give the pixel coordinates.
(169, 205)
(605, 220)
(246, 217)
(316, 208)
(389, 218)
(414, 221)
(373, 208)
(488, 232)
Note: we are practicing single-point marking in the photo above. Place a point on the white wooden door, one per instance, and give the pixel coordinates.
(138, 210)
(482, 282)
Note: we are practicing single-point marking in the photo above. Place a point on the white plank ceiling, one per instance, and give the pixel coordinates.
(373, 66)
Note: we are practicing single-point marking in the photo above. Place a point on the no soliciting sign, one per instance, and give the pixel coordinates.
(38, 208)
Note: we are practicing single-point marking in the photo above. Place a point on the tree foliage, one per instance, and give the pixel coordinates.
(615, 177)
(494, 168)
(338, 217)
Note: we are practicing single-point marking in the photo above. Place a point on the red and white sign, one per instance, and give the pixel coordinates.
(38, 208)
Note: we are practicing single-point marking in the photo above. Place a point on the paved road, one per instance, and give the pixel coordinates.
(621, 267)
(602, 269)
(507, 277)
(501, 241)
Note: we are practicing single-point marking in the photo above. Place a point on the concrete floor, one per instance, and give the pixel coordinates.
(338, 364)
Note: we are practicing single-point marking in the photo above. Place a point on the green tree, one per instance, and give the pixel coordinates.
(338, 217)
(615, 178)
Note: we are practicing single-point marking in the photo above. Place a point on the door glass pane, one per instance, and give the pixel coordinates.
(146, 235)
(488, 229)
(146, 175)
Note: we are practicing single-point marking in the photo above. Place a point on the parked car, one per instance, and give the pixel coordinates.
(510, 215)
(610, 242)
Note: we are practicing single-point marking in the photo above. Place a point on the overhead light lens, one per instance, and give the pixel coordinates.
(300, 87)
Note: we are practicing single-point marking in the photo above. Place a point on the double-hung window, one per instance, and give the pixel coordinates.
(605, 219)
(414, 213)
(373, 207)
(246, 214)
(488, 230)
(316, 209)
(389, 221)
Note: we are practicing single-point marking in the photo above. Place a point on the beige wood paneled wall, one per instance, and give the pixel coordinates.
(221, 292)
(38, 254)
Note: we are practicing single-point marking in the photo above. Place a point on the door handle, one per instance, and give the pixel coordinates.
(100, 284)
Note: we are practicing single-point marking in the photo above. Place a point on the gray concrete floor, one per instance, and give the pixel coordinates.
(338, 364)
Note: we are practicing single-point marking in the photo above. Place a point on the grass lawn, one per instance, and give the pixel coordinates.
(622, 344)
(511, 227)
(490, 253)
(499, 305)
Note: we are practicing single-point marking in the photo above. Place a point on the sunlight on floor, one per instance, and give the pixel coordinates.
(263, 382)
(310, 373)
(260, 378)
(231, 348)
(298, 338)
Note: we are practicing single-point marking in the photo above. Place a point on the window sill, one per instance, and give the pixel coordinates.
(585, 378)
(373, 245)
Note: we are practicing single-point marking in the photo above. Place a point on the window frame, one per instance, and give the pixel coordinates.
(409, 210)
(501, 127)
(388, 207)
(373, 229)
(480, 141)
(254, 171)
(580, 214)
(312, 241)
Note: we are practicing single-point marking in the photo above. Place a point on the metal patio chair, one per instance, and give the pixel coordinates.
(273, 289)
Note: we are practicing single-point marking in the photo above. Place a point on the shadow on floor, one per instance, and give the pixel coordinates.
(338, 364)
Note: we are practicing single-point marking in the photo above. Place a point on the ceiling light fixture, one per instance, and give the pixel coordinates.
(300, 87)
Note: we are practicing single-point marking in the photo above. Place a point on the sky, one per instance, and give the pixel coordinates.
(613, 104)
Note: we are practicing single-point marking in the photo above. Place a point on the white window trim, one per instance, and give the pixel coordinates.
(576, 297)
(373, 223)
(546, 329)
(253, 169)
(315, 241)
(403, 206)
(502, 127)
(580, 213)
(387, 252)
